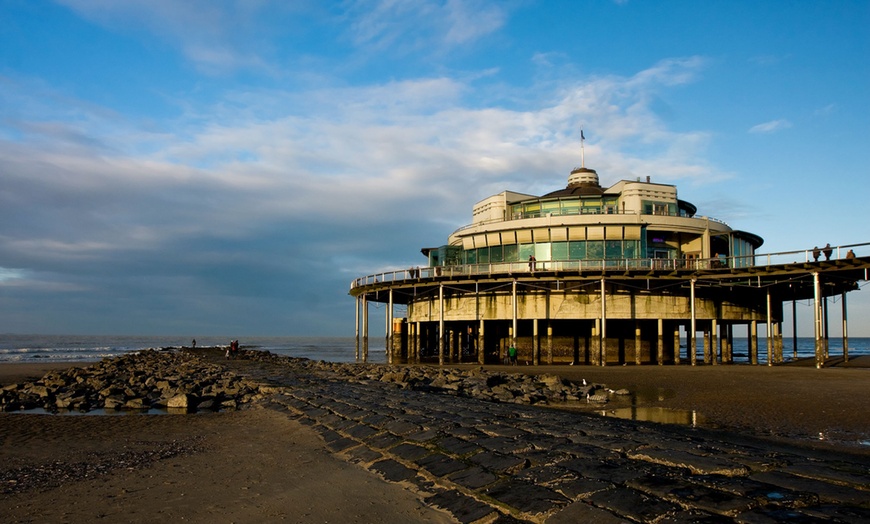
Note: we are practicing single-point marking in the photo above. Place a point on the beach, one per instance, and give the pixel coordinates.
(263, 465)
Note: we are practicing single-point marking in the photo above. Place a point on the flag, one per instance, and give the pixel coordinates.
(581, 135)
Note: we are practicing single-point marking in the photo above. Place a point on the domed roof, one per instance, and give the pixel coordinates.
(582, 181)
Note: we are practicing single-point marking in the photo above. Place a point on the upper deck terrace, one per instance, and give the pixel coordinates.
(792, 269)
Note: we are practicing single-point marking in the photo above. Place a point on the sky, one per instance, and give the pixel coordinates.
(220, 167)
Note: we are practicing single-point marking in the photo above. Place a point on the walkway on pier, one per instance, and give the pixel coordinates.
(792, 276)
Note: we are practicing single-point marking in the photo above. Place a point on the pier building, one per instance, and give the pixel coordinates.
(626, 274)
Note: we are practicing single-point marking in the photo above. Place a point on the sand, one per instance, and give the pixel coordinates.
(261, 466)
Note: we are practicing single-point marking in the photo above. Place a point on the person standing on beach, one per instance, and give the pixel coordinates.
(193, 344)
(512, 355)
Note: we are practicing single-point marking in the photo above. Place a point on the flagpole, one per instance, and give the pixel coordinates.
(582, 150)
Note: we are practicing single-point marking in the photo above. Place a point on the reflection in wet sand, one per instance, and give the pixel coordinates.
(654, 414)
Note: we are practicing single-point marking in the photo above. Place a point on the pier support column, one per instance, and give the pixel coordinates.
(418, 343)
(356, 330)
(769, 332)
(845, 332)
(549, 344)
(536, 344)
(677, 345)
(730, 343)
(440, 324)
(451, 346)
(777, 342)
(389, 328)
(660, 342)
(514, 308)
(817, 320)
(753, 343)
(637, 343)
(794, 328)
(365, 348)
(603, 325)
(596, 343)
(715, 342)
(481, 355)
(691, 341)
(825, 332)
(707, 346)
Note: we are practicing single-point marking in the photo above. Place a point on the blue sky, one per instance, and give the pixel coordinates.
(228, 167)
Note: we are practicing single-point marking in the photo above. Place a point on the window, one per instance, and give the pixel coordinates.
(577, 250)
(559, 251)
(613, 249)
(594, 249)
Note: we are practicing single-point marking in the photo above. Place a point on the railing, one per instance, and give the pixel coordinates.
(628, 264)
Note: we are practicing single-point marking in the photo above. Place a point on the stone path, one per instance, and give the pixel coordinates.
(495, 462)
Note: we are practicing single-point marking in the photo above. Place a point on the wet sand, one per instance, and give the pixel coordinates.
(261, 466)
(246, 466)
(795, 400)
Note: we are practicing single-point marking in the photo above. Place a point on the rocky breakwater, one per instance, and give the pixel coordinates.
(138, 381)
(475, 382)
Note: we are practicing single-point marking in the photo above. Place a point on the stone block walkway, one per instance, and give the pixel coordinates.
(495, 462)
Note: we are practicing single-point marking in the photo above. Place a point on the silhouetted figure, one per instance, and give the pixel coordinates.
(850, 254)
(827, 251)
(816, 254)
(532, 261)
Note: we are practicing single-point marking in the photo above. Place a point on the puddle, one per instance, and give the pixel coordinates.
(653, 414)
(639, 404)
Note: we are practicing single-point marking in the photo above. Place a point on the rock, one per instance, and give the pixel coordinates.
(182, 400)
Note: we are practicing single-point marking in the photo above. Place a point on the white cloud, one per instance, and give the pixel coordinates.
(416, 24)
(771, 126)
(264, 160)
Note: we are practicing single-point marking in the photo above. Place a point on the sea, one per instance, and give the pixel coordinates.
(91, 348)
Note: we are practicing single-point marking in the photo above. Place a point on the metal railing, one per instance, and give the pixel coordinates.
(626, 264)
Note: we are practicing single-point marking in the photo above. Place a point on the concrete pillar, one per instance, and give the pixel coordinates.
(389, 328)
(845, 331)
(536, 344)
(716, 342)
(817, 320)
(753, 343)
(596, 343)
(549, 344)
(441, 324)
(660, 342)
(417, 342)
(777, 342)
(677, 345)
(481, 356)
(365, 348)
(794, 336)
(514, 313)
(707, 346)
(637, 343)
(451, 346)
(825, 325)
(603, 336)
(691, 342)
(730, 340)
(356, 329)
(769, 332)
